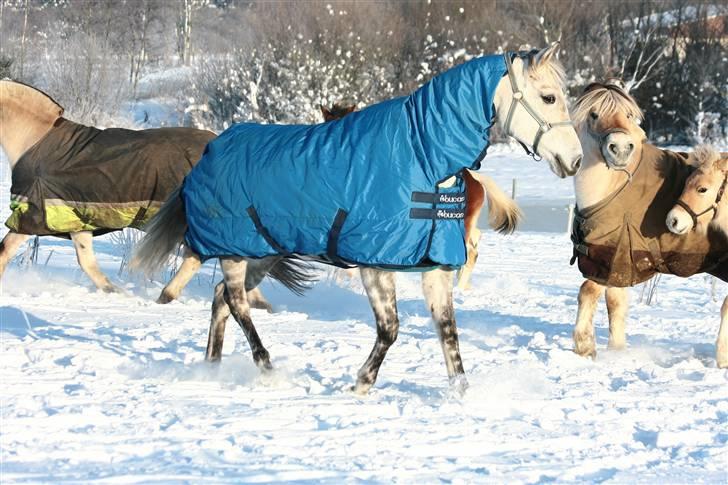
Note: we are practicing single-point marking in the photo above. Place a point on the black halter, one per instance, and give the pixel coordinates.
(543, 125)
(713, 207)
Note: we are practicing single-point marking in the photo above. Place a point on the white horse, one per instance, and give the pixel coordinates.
(703, 204)
(530, 105)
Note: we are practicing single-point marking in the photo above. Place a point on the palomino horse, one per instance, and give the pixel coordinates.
(503, 213)
(523, 93)
(703, 204)
(29, 118)
(624, 190)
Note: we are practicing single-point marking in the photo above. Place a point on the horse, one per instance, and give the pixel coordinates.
(624, 190)
(31, 119)
(703, 204)
(503, 212)
(522, 92)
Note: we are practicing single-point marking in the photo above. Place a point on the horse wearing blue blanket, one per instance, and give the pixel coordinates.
(381, 189)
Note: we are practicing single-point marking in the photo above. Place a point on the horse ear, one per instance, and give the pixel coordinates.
(325, 112)
(722, 165)
(547, 53)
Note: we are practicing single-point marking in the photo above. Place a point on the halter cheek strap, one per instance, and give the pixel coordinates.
(713, 207)
(518, 99)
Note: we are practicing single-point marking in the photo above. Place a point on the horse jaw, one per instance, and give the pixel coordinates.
(563, 152)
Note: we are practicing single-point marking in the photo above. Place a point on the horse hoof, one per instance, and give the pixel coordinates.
(164, 298)
(459, 385)
(360, 389)
(111, 289)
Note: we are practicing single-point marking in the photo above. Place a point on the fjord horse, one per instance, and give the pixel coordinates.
(529, 104)
(624, 190)
(703, 204)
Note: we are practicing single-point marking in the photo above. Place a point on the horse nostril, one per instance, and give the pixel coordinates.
(577, 163)
(613, 148)
(630, 147)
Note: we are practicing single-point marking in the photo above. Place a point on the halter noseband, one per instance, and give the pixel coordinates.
(543, 125)
(713, 207)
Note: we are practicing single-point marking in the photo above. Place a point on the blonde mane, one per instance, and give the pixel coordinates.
(605, 100)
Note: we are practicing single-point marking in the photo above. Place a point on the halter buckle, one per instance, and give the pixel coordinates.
(518, 95)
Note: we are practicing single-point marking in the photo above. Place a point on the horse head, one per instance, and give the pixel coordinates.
(703, 200)
(531, 107)
(607, 120)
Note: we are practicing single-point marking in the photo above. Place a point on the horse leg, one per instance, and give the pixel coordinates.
(220, 314)
(190, 265)
(721, 346)
(437, 287)
(258, 301)
(380, 288)
(584, 341)
(83, 243)
(234, 273)
(9, 246)
(617, 307)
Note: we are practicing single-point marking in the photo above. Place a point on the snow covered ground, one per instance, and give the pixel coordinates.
(113, 388)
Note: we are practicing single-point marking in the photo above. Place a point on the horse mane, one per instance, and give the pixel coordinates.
(605, 99)
(35, 90)
(704, 156)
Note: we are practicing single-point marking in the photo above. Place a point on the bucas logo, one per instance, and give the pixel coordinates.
(446, 214)
(451, 199)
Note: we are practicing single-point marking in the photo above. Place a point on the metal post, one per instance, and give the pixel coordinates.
(513, 189)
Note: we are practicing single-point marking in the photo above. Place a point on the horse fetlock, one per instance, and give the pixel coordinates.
(362, 387)
(110, 288)
(721, 355)
(616, 344)
(262, 360)
(166, 297)
(459, 385)
(584, 344)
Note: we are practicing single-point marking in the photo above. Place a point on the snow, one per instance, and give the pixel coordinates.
(114, 388)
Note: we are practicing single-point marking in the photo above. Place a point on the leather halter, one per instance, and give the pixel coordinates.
(543, 125)
(713, 207)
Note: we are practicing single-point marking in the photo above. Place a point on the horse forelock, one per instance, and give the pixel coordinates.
(606, 100)
(549, 69)
(705, 157)
(31, 91)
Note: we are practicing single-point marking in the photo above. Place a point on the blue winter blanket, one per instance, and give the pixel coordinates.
(360, 190)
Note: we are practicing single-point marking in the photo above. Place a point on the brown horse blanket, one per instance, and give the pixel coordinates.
(80, 178)
(623, 240)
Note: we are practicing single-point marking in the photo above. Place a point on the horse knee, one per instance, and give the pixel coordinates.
(387, 333)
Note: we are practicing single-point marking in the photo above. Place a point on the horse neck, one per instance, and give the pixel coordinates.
(595, 181)
(22, 127)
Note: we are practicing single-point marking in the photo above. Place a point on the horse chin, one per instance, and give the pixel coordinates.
(558, 168)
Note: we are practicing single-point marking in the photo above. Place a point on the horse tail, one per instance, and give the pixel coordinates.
(504, 215)
(296, 275)
(164, 233)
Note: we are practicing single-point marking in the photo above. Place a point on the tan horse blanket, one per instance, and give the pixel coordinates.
(80, 178)
(623, 240)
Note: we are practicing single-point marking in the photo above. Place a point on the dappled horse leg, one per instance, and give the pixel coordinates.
(437, 287)
(258, 301)
(617, 307)
(8, 247)
(380, 288)
(83, 243)
(190, 265)
(584, 342)
(220, 314)
(234, 272)
(721, 346)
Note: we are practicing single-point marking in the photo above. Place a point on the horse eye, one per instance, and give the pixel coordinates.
(702, 190)
(549, 99)
(593, 115)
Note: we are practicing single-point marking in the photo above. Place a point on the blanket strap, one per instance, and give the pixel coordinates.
(264, 232)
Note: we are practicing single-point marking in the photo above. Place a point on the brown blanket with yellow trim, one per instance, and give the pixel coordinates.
(623, 240)
(80, 178)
